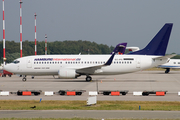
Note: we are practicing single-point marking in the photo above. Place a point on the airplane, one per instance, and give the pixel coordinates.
(173, 63)
(132, 49)
(73, 66)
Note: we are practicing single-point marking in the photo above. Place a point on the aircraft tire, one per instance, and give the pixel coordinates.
(24, 79)
(88, 78)
(167, 70)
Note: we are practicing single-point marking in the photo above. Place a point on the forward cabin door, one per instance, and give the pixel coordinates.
(29, 63)
(138, 65)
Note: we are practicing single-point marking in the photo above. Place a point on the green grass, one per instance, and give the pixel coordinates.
(81, 105)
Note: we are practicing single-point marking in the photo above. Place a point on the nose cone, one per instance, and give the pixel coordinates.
(9, 68)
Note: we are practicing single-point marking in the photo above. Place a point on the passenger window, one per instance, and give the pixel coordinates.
(174, 62)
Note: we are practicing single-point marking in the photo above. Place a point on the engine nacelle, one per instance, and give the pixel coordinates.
(68, 73)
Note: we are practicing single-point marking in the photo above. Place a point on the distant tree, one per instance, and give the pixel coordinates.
(57, 47)
(11, 57)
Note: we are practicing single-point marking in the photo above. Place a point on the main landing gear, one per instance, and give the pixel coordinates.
(167, 70)
(24, 78)
(88, 78)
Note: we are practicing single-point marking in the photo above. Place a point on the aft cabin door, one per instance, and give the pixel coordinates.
(138, 64)
(29, 63)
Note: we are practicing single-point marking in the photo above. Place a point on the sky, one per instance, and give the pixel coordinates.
(102, 21)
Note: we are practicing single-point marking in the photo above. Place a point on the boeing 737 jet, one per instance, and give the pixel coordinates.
(73, 66)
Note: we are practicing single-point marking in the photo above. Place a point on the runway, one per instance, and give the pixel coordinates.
(139, 81)
(98, 114)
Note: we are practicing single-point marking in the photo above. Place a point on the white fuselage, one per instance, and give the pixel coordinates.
(173, 63)
(51, 64)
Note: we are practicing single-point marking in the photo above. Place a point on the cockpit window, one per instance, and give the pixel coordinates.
(16, 62)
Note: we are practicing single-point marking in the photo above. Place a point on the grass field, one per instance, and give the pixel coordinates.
(81, 105)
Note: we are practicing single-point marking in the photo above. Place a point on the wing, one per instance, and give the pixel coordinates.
(95, 69)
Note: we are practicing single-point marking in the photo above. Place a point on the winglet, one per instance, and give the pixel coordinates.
(158, 45)
(110, 59)
(119, 48)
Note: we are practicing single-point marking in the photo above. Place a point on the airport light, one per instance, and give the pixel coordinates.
(20, 28)
(4, 56)
(45, 44)
(35, 34)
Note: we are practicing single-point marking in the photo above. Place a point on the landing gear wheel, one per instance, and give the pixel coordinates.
(88, 78)
(24, 79)
(32, 77)
(167, 70)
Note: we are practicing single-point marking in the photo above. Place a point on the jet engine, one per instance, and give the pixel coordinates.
(68, 73)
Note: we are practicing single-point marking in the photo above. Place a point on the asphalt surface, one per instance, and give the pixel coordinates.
(100, 114)
(139, 81)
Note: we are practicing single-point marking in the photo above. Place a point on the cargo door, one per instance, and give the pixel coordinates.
(29, 63)
(138, 65)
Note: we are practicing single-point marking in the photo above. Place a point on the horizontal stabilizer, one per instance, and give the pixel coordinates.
(167, 56)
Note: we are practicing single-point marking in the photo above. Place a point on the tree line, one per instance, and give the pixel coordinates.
(57, 47)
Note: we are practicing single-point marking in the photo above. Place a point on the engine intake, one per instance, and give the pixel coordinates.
(68, 73)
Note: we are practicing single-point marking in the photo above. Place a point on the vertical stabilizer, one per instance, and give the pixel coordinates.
(158, 45)
(120, 48)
